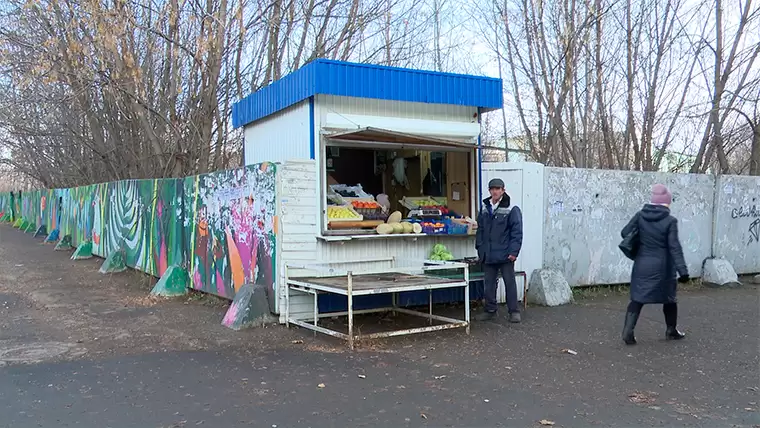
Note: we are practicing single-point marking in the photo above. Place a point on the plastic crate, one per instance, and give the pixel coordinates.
(431, 230)
(455, 228)
(372, 213)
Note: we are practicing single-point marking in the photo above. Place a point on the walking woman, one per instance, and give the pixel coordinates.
(657, 259)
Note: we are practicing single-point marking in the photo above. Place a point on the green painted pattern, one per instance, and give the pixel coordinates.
(174, 282)
(144, 219)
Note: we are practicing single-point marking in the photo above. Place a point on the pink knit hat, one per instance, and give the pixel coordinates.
(661, 195)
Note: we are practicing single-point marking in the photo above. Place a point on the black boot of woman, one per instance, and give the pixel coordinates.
(631, 318)
(671, 320)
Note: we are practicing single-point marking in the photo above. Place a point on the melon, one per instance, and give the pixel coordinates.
(384, 229)
(416, 228)
(395, 217)
(397, 227)
(408, 228)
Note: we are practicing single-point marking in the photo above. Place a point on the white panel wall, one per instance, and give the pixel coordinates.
(737, 222)
(362, 106)
(524, 183)
(296, 237)
(279, 137)
(586, 210)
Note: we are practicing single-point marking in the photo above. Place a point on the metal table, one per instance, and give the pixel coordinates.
(394, 281)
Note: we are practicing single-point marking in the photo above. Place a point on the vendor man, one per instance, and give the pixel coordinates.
(498, 241)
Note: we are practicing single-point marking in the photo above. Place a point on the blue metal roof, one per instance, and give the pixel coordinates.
(368, 81)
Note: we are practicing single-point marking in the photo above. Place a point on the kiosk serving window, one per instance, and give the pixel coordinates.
(387, 183)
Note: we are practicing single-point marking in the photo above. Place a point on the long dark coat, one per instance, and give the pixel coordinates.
(659, 256)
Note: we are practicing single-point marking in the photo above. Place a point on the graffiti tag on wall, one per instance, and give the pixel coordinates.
(754, 231)
(750, 211)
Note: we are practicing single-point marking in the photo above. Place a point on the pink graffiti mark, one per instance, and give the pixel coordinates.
(197, 282)
(244, 249)
(162, 255)
(248, 227)
(229, 317)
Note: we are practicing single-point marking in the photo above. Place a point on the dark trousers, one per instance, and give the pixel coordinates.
(491, 280)
(670, 310)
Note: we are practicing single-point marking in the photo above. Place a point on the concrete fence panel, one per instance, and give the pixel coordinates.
(231, 231)
(585, 210)
(737, 222)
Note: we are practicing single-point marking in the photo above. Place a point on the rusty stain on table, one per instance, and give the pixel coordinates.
(377, 281)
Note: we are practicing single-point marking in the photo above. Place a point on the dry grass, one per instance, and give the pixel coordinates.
(613, 290)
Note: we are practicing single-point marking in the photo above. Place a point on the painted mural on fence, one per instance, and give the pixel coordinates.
(5, 206)
(221, 227)
(78, 212)
(142, 218)
(231, 222)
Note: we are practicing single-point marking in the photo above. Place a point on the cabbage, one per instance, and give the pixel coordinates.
(441, 253)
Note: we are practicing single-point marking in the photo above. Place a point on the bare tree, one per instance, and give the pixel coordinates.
(97, 90)
(737, 66)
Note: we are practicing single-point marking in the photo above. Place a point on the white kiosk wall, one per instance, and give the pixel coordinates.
(524, 182)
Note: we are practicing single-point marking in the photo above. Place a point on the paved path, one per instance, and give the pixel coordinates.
(80, 349)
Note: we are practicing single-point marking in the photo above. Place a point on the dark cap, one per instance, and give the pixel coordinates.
(496, 182)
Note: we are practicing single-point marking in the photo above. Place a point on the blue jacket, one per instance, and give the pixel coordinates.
(499, 232)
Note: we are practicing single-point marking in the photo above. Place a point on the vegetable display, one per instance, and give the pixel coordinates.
(441, 253)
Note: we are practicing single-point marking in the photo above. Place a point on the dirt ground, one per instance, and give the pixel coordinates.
(75, 312)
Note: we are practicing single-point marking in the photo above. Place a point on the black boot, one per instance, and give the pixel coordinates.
(630, 323)
(671, 320)
(672, 333)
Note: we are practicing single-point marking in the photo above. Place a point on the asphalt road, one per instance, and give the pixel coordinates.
(113, 362)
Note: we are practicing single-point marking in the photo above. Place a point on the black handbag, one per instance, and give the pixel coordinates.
(630, 244)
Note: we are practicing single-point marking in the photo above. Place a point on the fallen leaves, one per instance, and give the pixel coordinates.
(642, 397)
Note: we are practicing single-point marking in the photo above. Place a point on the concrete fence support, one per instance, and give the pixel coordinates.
(549, 288)
(173, 282)
(115, 262)
(83, 251)
(53, 236)
(719, 273)
(41, 231)
(64, 244)
(249, 308)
